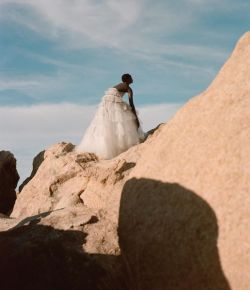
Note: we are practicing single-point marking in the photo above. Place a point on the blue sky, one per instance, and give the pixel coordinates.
(57, 51)
(61, 56)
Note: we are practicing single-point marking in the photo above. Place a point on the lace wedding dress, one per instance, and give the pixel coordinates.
(113, 129)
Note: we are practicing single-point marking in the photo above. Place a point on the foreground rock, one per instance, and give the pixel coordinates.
(201, 161)
(67, 179)
(179, 202)
(41, 257)
(8, 181)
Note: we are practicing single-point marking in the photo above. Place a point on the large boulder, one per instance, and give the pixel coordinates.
(8, 181)
(199, 168)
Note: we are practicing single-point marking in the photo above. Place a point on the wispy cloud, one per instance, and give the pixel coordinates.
(225, 5)
(18, 84)
(79, 20)
(134, 27)
(28, 130)
(33, 84)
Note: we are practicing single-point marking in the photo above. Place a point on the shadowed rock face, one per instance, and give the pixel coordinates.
(168, 238)
(37, 257)
(8, 181)
(167, 235)
(37, 161)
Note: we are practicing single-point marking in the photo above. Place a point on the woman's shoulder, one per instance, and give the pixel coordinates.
(122, 87)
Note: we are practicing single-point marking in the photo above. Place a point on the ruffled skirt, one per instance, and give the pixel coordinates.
(113, 129)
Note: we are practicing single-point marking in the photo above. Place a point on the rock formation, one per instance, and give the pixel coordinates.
(8, 181)
(171, 213)
(67, 183)
(205, 148)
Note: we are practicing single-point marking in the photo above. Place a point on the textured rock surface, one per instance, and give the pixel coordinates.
(69, 180)
(205, 148)
(180, 200)
(8, 181)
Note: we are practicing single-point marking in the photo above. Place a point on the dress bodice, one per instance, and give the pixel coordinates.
(112, 94)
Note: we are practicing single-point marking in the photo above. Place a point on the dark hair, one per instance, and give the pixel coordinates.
(126, 77)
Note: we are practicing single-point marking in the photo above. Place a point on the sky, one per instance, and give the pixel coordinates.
(58, 58)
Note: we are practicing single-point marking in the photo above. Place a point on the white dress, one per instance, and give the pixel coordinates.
(113, 129)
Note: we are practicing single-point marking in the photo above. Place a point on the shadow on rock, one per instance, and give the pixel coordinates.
(168, 238)
(37, 257)
(35, 219)
(151, 132)
(38, 160)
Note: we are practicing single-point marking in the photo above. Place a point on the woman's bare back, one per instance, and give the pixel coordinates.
(122, 87)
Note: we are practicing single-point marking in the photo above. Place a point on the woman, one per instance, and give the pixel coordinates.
(115, 127)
